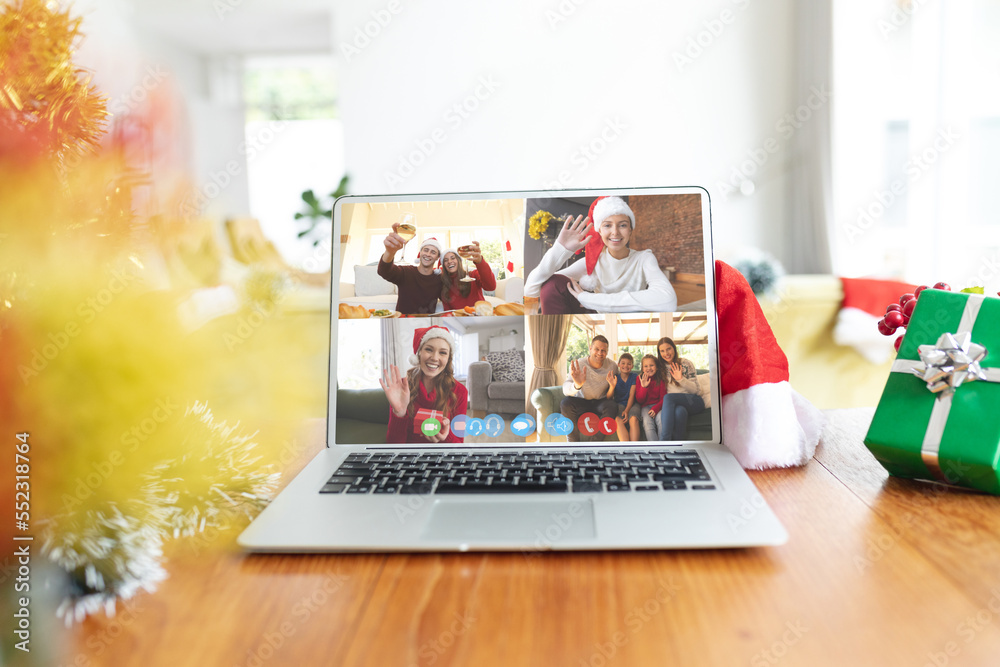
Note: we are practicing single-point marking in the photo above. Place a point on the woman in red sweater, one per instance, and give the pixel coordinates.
(649, 391)
(456, 294)
(429, 389)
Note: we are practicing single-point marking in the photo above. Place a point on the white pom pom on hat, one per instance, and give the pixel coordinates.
(424, 334)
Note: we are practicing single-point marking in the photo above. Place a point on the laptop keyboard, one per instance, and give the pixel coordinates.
(577, 471)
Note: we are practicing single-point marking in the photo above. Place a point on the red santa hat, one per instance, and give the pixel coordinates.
(601, 209)
(434, 243)
(445, 252)
(424, 334)
(767, 423)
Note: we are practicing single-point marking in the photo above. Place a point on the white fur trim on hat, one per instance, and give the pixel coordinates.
(436, 331)
(609, 206)
(770, 425)
(588, 282)
(445, 252)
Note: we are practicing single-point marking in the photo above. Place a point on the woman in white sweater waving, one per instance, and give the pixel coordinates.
(611, 278)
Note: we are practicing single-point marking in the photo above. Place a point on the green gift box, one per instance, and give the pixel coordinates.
(947, 433)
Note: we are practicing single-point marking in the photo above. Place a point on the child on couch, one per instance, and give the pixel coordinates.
(622, 390)
(650, 389)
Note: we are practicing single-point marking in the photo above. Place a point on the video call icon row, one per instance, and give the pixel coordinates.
(493, 425)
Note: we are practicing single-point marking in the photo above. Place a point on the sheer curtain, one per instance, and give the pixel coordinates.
(810, 187)
(392, 332)
(917, 140)
(548, 335)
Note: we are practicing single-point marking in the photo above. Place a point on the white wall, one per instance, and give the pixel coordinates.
(194, 102)
(552, 77)
(663, 93)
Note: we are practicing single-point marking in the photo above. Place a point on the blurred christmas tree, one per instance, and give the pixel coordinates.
(47, 106)
(97, 368)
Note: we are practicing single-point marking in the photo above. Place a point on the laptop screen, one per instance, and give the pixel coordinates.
(548, 318)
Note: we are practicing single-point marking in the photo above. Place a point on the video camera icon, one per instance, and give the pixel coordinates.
(459, 423)
(430, 427)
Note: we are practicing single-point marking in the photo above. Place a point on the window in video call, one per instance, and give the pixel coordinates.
(558, 320)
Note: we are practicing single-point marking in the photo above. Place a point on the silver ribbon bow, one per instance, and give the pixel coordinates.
(954, 360)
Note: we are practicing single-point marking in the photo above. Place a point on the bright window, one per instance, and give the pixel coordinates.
(294, 143)
(916, 140)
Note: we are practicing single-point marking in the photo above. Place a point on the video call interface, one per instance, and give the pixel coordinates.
(556, 320)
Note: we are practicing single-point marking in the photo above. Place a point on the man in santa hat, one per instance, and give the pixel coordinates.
(418, 287)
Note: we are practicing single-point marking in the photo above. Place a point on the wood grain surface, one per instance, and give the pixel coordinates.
(877, 571)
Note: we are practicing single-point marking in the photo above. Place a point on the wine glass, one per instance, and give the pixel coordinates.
(466, 252)
(406, 229)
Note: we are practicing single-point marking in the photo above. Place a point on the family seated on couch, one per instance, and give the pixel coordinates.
(660, 397)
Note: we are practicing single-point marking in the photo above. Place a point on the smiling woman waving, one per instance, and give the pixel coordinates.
(610, 278)
(429, 389)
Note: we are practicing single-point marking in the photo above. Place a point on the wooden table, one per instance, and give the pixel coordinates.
(877, 571)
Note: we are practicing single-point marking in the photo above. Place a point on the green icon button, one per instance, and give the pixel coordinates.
(430, 427)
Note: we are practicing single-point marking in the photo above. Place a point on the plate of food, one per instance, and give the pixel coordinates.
(384, 313)
(509, 309)
(349, 312)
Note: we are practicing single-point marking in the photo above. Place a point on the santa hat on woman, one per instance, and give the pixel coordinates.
(767, 423)
(601, 209)
(424, 334)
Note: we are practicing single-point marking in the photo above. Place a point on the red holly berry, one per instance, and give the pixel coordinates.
(945, 286)
(891, 307)
(898, 342)
(893, 319)
(908, 308)
(916, 292)
(906, 297)
(885, 329)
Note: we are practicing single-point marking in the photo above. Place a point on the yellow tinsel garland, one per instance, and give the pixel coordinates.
(43, 96)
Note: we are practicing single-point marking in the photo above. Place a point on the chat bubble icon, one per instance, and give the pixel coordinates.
(523, 425)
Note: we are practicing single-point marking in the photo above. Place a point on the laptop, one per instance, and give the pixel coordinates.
(471, 404)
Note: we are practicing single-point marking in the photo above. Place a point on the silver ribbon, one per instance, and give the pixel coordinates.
(953, 361)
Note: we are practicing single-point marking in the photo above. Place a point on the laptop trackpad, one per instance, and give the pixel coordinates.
(543, 523)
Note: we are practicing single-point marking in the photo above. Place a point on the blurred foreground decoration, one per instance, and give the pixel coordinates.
(96, 366)
(47, 105)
